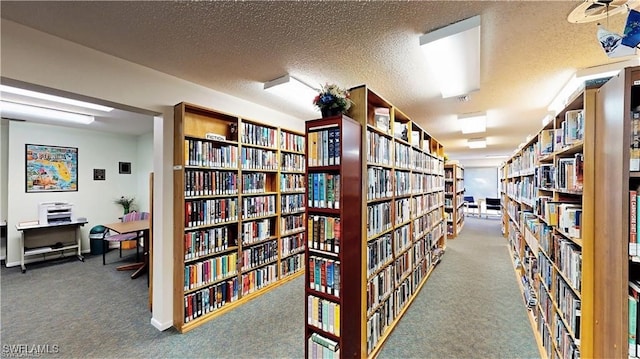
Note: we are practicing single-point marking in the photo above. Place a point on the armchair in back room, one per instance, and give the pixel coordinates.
(494, 204)
(470, 203)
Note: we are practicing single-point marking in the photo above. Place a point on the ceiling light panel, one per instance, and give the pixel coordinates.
(473, 123)
(453, 55)
(26, 112)
(294, 90)
(52, 98)
(477, 142)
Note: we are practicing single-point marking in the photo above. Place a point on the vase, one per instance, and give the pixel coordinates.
(328, 112)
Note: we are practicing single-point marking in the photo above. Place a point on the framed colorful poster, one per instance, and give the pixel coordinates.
(51, 168)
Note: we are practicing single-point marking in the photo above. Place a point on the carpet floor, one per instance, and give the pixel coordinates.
(470, 307)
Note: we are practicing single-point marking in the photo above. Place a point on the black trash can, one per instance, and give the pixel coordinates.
(96, 235)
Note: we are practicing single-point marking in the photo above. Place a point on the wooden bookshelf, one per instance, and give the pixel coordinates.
(585, 262)
(402, 234)
(454, 198)
(333, 252)
(239, 220)
(618, 109)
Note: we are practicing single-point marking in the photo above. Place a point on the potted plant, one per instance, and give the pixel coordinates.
(332, 100)
(126, 203)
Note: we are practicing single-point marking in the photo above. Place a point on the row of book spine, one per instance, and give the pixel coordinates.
(211, 154)
(203, 243)
(292, 244)
(324, 314)
(323, 233)
(379, 253)
(324, 275)
(210, 183)
(292, 182)
(291, 142)
(254, 182)
(291, 264)
(324, 147)
(292, 162)
(258, 159)
(256, 231)
(378, 218)
(209, 299)
(258, 206)
(554, 140)
(402, 210)
(324, 190)
(379, 287)
(292, 223)
(259, 254)
(259, 278)
(258, 135)
(379, 149)
(210, 270)
(291, 203)
(210, 211)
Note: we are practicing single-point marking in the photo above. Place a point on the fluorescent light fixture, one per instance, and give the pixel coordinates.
(47, 97)
(473, 122)
(12, 109)
(477, 142)
(292, 89)
(453, 54)
(496, 156)
(576, 82)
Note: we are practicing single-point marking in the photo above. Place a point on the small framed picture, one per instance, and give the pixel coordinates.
(125, 167)
(98, 174)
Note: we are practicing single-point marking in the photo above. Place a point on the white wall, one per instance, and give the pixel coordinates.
(94, 199)
(481, 182)
(143, 167)
(34, 57)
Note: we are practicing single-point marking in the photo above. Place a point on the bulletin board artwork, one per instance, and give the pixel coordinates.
(51, 168)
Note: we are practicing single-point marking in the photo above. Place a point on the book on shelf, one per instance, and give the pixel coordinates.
(634, 164)
(382, 119)
(633, 222)
(400, 130)
(633, 328)
(546, 141)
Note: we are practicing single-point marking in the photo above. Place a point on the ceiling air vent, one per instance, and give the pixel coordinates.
(594, 10)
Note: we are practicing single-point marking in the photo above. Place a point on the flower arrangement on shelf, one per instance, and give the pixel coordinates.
(332, 100)
(125, 202)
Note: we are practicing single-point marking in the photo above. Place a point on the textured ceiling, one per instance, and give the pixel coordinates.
(529, 50)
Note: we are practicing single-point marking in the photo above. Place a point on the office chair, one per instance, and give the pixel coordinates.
(131, 216)
(494, 204)
(470, 203)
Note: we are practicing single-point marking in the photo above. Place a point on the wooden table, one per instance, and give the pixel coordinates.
(129, 227)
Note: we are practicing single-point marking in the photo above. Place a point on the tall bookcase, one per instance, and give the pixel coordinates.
(454, 198)
(239, 221)
(402, 234)
(334, 254)
(616, 230)
(567, 195)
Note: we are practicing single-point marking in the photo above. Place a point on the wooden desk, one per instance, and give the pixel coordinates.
(35, 229)
(129, 227)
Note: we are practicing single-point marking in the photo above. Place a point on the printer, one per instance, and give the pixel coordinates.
(54, 212)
